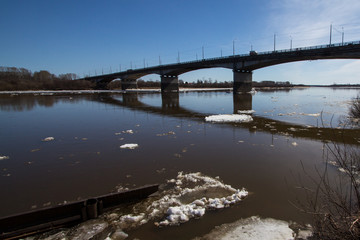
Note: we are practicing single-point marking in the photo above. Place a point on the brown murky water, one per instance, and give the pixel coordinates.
(84, 158)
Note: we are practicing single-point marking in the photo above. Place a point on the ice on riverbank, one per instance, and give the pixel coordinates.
(188, 196)
(229, 118)
(129, 146)
(253, 228)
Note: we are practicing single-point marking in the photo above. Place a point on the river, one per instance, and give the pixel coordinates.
(61, 147)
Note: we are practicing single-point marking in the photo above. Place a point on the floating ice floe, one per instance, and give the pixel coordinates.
(253, 91)
(311, 114)
(4, 157)
(246, 111)
(130, 145)
(47, 139)
(128, 131)
(229, 118)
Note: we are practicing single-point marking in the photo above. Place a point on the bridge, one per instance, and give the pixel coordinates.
(242, 65)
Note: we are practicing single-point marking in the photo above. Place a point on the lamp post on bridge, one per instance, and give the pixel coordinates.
(330, 32)
(274, 42)
(233, 47)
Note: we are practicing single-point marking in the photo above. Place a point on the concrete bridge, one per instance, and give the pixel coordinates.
(242, 66)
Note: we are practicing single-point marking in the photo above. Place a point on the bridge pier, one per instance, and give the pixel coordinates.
(169, 83)
(128, 84)
(242, 81)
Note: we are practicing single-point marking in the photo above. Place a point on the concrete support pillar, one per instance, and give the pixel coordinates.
(169, 83)
(128, 84)
(242, 81)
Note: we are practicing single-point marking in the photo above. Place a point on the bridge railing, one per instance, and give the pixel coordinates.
(267, 52)
(237, 56)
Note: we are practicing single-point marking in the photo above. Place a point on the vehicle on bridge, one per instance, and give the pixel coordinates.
(253, 53)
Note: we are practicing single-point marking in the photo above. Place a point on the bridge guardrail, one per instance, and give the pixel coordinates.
(269, 52)
(237, 56)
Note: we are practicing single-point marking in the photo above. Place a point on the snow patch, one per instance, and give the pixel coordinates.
(130, 146)
(253, 228)
(4, 157)
(229, 118)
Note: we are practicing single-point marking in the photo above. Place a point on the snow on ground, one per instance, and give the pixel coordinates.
(229, 118)
(130, 145)
(253, 228)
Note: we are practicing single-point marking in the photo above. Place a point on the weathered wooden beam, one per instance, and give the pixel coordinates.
(34, 222)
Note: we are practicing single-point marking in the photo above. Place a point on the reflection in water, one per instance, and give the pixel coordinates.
(130, 99)
(170, 100)
(27, 102)
(242, 102)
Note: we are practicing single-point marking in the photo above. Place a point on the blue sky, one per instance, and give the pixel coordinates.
(88, 37)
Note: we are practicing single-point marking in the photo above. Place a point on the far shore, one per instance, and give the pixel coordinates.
(158, 90)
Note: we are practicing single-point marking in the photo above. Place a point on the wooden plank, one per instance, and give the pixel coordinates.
(53, 217)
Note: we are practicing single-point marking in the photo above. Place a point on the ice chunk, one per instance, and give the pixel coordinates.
(189, 198)
(311, 114)
(128, 131)
(294, 144)
(130, 145)
(229, 118)
(246, 111)
(47, 139)
(4, 157)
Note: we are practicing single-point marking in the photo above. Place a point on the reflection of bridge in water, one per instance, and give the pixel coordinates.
(171, 107)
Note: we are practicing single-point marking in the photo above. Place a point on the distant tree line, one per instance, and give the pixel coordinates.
(272, 84)
(12, 78)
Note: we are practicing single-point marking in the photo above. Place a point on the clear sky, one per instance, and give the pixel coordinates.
(88, 37)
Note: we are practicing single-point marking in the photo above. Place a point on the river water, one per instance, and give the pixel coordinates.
(61, 147)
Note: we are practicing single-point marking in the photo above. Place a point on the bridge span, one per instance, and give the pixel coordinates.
(242, 66)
